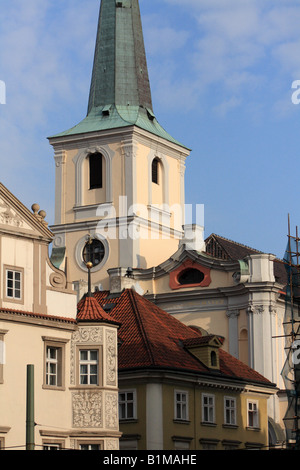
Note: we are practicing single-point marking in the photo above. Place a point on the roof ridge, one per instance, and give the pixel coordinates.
(232, 241)
(132, 295)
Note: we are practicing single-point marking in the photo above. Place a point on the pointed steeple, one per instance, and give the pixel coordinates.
(120, 94)
(120, 73)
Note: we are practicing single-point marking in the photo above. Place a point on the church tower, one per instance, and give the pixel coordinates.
(119, 194)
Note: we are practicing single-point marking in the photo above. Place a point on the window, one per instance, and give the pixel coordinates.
(181, 405)
(89, 447)
(213, 359)
(51, 447)
(54, 368)
(127, 404)
(191, 276)
(229, 410)
(96, 171)
(155, 171)
(88, 366)
(14, 284)
(208, 408)
(94, 252)
(53, 361)
(253, 421)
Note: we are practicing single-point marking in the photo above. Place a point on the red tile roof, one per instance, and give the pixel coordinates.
(90, 310)
(151, 338)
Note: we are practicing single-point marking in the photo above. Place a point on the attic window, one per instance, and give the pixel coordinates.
(190, 276)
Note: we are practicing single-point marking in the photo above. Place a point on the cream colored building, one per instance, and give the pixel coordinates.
(40, 330)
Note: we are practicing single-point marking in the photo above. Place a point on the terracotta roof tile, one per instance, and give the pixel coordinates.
(90, 310)
(152, 338)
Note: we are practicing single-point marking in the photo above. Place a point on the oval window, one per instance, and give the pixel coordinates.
(94, 252)
(190, 276)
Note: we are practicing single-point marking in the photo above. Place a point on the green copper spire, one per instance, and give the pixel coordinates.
(120, 74)
(120, 94)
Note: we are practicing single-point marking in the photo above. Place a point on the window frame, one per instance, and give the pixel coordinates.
(208, 407)
(230, 409)
(89, 347)
(82, 442)
(125, 403)
(184, 406)
(254, 414)
(59, 345)
(155, 170)
(6, 297)
(2, 354)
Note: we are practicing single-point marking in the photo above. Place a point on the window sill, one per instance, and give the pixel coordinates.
(252, 428)
(206, 423)
(230, 426)
(128, 420)
(181, 421)
(54, 387)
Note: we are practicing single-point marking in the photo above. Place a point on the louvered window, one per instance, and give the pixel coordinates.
(96, 170)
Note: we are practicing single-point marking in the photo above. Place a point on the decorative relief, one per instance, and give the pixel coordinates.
(87, 409)
(232, 313)
(256, 309)
(83, 335)
(58, 280)
(8, 216)
(111, 411)
(112, 444)
(111, 358)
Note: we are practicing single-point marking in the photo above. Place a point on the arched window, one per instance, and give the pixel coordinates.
(213, 359)
(191, 276)
(96, 170)
(155, 171)
(94, 252)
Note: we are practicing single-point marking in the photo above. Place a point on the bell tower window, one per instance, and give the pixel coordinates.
(155, 171)
(96, 170)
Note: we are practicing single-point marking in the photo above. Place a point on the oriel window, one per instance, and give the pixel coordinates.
(96, 170)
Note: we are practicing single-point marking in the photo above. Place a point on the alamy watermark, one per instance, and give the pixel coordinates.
(140, 221)
(296, 95)
(2, 92)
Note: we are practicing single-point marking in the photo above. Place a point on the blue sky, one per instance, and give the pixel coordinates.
(221, 75)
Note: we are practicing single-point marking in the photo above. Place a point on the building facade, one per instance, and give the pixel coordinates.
(62, 362)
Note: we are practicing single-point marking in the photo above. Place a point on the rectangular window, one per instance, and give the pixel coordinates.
(88, 367)
(208, 408)
(253, 417)
(13, 284)
(181, 405)
(127, 404)
(229, 410)
(90, 445)
(54, 362)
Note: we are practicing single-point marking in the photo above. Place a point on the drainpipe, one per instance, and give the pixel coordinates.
(30, 408)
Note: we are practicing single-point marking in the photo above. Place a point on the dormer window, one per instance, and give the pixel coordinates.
(96, 170)
(213, 359)
(190, 274)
